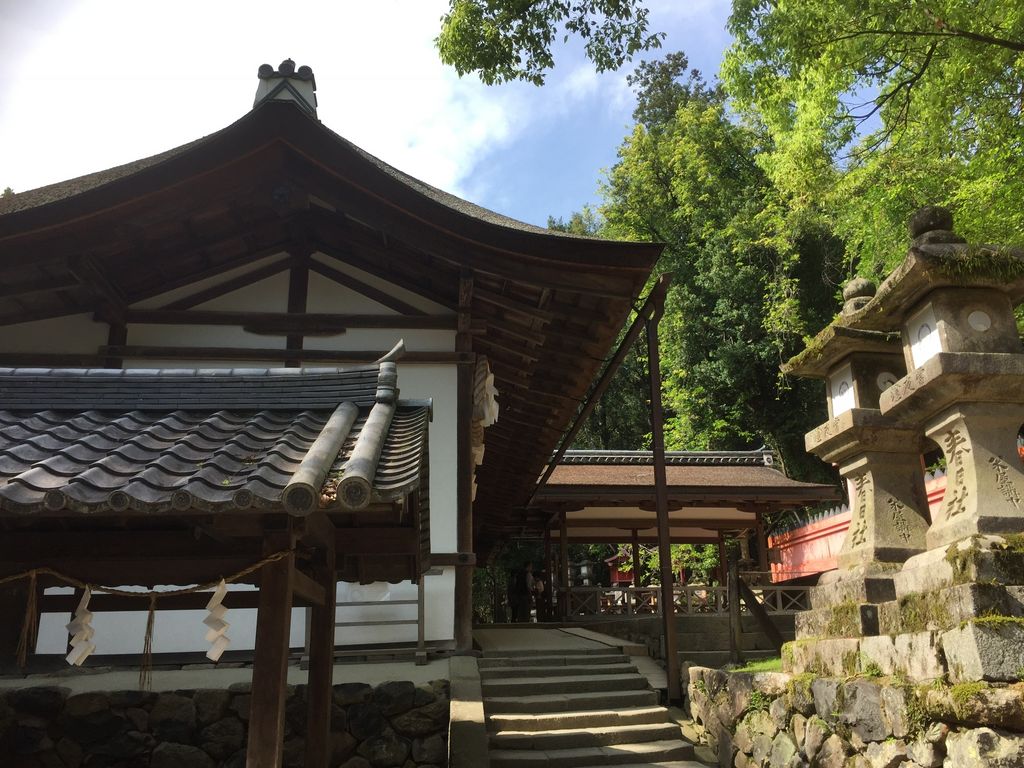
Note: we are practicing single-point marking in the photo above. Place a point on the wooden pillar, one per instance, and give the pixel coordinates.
(13, 597)
(270, 665)
(668, 613)
(320, 681)
(563, 555)
(637, 580)
(735, 618)
(721, 559)
(762, 548)
(464, 471)
(549, 568)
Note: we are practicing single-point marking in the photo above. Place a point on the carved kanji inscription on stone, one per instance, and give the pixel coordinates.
(899, 518)
(859, 532)
(1003, 482)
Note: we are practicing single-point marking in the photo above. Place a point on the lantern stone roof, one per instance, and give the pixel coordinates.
(204, 440)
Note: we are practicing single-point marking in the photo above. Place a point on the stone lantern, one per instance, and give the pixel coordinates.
(953, 305)
(880, 459)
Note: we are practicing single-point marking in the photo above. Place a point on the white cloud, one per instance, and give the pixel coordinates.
(116, 80)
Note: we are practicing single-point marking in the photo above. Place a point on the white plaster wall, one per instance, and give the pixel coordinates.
(74, 334)
(123, 632)
(163, 299)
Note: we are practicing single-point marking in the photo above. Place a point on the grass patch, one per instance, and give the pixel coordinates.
(773, 664)
(759, 702)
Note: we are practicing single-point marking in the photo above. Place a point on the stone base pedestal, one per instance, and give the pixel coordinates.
(845, 602)
(985, 479)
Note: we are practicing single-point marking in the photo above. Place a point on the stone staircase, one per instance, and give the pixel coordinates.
(576, 709)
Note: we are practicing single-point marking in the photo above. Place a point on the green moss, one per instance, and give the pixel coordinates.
(919, 610)
(960, 560)
(869, 668)
(759, 701)
(995, 621)
(701, 687)
(981, 261)
(844, 620)
(762, 665)
(787, 655)
(963, 693)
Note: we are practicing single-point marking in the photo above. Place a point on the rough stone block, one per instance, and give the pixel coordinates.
(916, 656)
(852, 588)
(985, 747)
(985, 649)
(847, 619)
(887, 754)
(838, 657)
(976, 704)
(817, 732)
(947, 607)
(861, 710)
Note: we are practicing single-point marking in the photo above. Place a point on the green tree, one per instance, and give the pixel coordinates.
(748, 282)
(875, 108)
(8, 192)
(505, 40)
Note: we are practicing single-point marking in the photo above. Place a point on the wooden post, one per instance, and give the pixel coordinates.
(464, 470)
(722, 562)
(421, 608)
(762, 548)
(320, 680)
(270, 665)
(565, 603)
(549, 568)
(637, 579)
(668, 613)
(735, 618)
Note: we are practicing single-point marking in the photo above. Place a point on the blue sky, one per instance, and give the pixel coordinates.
(89, 84)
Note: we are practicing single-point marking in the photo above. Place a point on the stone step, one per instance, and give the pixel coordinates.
(567, 702)
(579, 738)
(492, 662)
(620, 754)
(504, 673)
(527, 686)
(548, 652)
(593, 718)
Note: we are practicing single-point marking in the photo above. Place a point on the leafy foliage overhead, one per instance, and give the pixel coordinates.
(504, 40)
(876, 108)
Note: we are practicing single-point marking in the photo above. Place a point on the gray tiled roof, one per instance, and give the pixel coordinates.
(152, 441)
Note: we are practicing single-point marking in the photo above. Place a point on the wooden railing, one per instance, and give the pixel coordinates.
(689, 599)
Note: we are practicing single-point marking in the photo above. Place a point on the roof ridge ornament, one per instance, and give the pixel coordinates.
(287, 83)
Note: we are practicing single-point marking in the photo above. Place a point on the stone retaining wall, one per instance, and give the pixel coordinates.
(804, 721)
(393, 724)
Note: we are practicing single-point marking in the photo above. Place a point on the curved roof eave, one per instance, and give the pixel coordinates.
(280, 122)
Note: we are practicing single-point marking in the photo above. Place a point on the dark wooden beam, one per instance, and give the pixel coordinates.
(40, 285)
(298, 291)
(274, 355)
(282, 323)
(376, 541)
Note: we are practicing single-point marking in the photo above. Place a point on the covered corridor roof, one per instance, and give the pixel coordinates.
(606, 495)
